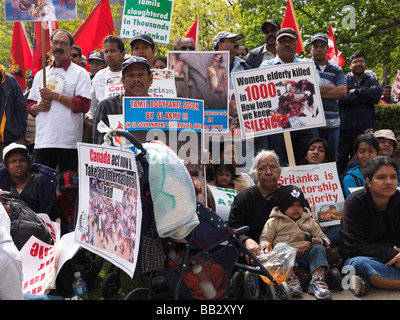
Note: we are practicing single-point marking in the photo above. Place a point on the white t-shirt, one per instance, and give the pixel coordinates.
(105, 84)
(60, 127)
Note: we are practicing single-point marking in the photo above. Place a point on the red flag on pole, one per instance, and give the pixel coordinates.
(334, 56)
(289, 21)
(21, 54)
(98, 25)
(194, 32)
(37, 43)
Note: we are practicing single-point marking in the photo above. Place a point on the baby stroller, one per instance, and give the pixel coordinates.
(200, 265)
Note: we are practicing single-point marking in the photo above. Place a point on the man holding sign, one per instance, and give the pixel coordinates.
(286, 44)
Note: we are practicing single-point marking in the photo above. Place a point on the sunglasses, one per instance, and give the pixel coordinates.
(184, 48)
(98, 62)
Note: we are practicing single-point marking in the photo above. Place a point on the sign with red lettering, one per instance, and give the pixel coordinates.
(321, 187)
(279, 98)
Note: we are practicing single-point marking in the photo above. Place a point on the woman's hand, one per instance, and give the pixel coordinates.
(395, 262)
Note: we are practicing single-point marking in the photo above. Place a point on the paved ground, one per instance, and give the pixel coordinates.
(373, 294)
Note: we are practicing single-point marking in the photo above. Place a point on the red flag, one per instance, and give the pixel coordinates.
(194, 32)
(98, 25)
(334, 56)
(37, 43)
(21, 54)
(289, 21)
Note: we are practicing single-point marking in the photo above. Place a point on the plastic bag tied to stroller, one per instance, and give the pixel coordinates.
(279, 262)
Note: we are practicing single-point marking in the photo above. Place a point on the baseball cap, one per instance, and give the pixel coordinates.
(287, 32)
(12, 147)
(69, 179)
(132, 60)
(320, 36)
(387, 134)
(289, 194)
(143, 37)
(96, 54)
(225, 35)
(270, 21)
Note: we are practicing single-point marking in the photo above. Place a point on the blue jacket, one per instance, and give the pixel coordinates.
(353, 178)
(357, 112)
(47, 188)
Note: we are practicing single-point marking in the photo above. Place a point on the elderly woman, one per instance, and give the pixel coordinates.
(252, 206)
(33, 183)
(369, 238)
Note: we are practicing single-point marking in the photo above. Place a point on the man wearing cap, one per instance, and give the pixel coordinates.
(34, 183)
(387, 142)
(107, 82)
(136, 78)
(96, 62)
(143, 46)
(59, 106)
(286, 44)
(266, 51)
(333, 87)
(226, 41)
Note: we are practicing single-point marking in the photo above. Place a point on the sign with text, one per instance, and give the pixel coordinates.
(279, 98)
(151, 17)
(321, 187)
(162, 113)
(43, 10)
(396, 84)
(223, 199)
(110, 210)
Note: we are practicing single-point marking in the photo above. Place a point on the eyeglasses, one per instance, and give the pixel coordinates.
(98, 62)
(74, 55)
(184, 48)
(265, 168)
(61, 43)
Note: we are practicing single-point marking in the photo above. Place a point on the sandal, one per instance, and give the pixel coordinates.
(358, 286)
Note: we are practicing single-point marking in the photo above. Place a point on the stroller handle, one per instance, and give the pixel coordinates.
(131, 138)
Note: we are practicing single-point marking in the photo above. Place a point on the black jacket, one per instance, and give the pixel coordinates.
(255, 57)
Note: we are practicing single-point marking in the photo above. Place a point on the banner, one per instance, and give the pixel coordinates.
(279, 98)
(321, 187)
(43, 10)
(151, 17)
(223, 199)
(204, 75)
(396, 84)
(110, 210)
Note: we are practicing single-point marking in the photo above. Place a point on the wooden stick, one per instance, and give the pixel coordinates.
(289, 148)
(43, 53)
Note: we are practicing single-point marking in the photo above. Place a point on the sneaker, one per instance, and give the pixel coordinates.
(319, 289)
(358, 286)
(295, 287)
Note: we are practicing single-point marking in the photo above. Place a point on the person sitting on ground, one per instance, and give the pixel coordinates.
(67, 200)
(369, 236)
(366, 146)
(387, 142)
(291, 222)
(317, 151)
(33, 183)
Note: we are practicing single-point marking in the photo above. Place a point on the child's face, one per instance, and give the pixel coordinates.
(295, 210)
(223, 179)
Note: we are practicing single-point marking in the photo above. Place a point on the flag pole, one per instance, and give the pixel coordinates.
(43, 54)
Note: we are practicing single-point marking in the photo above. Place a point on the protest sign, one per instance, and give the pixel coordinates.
(40, 260)
(43, 10)
(110, 214)
(204, 75)
(151, 17)
(163, 113)
(396, 84)
(223, 199)
(279, 98)
(321, 187)
(163, 84)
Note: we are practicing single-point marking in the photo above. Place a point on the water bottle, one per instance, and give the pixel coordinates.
(79, 286)
(206, 286)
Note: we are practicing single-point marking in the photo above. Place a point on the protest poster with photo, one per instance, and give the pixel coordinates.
(40, 10)
(223, 199)
(204, 75)
(151, 17)
(110, 210)
(279, 98)
(321, 186)
(163, 85)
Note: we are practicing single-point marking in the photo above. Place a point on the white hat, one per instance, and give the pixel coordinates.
(14, 147)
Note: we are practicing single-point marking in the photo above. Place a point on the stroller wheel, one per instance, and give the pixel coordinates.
(284, 292)
(334, 279)
(251, 285)
(111, 285)
(271, 292)
(140, 294)
(238, 285)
